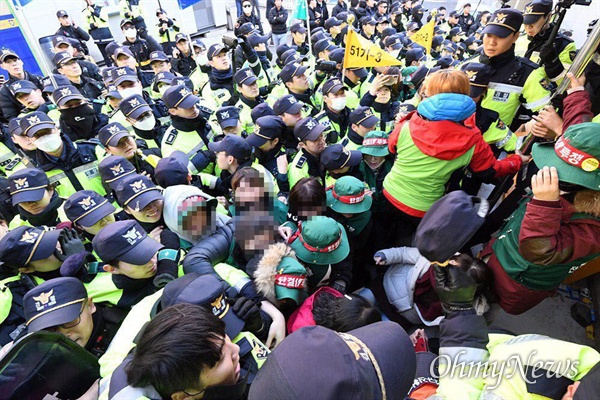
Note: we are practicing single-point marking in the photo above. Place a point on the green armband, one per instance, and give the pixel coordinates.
(167, 254)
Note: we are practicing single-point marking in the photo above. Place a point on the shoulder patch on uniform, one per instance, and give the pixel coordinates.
(500, 124)
(545, 83)
(572, 55)
(172, 135)
(300, 162)
(12, 164)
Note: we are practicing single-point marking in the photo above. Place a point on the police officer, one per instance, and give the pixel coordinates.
(269, 149)
(141, 48)
(72, 166)
(17, 152)
(291, 111)
(249, 97)
(335, 114)
(131, 10)
(312, 143)
(89, 69)
(117, 141)
(90, 88)
(515, 81)
(362, 121)
(184, 63)
(555, 57)
(228, 119)
(69, 29)
(78, 119)
(125, 58)
(90, 212)
(143, 120)
(63, 305)
(294, 78)
(97, 20)
(368, 28)
(190, 131)
(298, 33)
(167, 29)
(12, 63)
(31, 97)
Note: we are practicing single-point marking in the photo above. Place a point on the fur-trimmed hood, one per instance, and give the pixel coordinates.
(587, 201)
(267, 268)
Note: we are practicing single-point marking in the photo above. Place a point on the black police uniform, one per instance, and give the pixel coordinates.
(11, 108)
(141, 49)
(75, 33)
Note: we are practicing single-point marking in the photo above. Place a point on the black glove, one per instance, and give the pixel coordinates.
(246, 48)
(340, 286)
(70, 243)
(170, 240)
(455, 288)
(551, 62)
(92, 26)
(249, 311)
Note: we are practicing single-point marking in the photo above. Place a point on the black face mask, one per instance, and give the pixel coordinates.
(80, 118)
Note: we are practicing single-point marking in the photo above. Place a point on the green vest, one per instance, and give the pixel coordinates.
(245, 117)
(10, 162)
(199, 79)
(533, 276)
(188, 142)
(86, 175)
(332, 129)
(17, 221)
(215, 98)
(501, 136)
(416, 179)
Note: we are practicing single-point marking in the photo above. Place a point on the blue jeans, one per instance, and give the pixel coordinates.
(279, 39)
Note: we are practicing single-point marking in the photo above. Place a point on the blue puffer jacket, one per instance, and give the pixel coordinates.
(447, 107)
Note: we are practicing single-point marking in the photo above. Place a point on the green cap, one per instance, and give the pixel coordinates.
(349, 196)
(375, 143)
(575, 155)
(321, 241)
(290, 280)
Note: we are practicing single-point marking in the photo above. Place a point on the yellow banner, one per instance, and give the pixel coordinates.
(424, 36)
(8, 23)
(360, 52)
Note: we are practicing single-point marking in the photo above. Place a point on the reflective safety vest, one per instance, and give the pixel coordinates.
(499, 135)
(10, 162)
(199, 79)
(533, 276)
(215, 98)
(270, 181)
(332, 129)
(86, 176)
(53, 113)
(188, 142)
(299, 169)
(245, 118)
(143, 311)
(118, 116)
(506, 99)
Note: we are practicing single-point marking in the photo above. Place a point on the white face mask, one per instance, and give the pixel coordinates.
(146, 124)
(130, 33)
(49, 143)
(338, 103)
(395, 53)
(126, 93)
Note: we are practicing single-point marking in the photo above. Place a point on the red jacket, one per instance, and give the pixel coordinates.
(303, 315)
(577, 109)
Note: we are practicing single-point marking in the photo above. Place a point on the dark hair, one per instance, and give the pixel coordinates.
(307, 194)
(246, 173)
(343, 314)
(175, 347)
(482, 274)
(441, 8)
(466, 5)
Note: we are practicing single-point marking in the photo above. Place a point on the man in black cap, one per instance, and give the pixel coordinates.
(90, 213)
(184, 62)
(141, 48)
(333, 27)
(131, 10)
(298, 33)
(294, 78)
(465, 20)
(63, 305)
(89, 69)
(228, 119)
(12, 63)
(90, 88)
(78, 119)
(117, 141)
(382, 9)
(160, 62)
(368, 28)
(74, 167)
(269, 150)
(31, 97)
(338, 161)
(555, 57)
(290, 111)
(249, 97)
(239, 57)
(69, 29)
(312, 143)
(362, 121)
(335, 114)
(516, 83)
(190, 131)
(232, 153)
(219, 90)
(451, 22)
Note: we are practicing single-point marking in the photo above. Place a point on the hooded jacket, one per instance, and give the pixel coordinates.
(431, 144)
(174, 197)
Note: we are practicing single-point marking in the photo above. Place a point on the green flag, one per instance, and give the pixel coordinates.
(300, 10)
